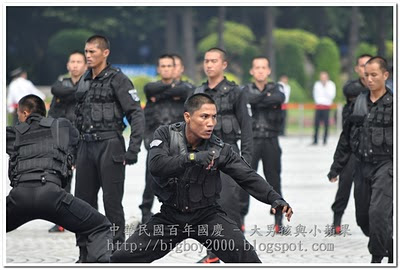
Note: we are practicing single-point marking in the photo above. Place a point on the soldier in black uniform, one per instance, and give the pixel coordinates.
(41, 155)
(63, 102)
(165, 99)
(368, 134)
(350, 90)
(187, 86)
(233, 123)
(104, 96)
(186, 160)
(266, 99)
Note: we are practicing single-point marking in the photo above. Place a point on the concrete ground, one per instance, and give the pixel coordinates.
(304, 185)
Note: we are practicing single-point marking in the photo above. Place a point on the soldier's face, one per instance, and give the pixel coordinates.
(202, 122)
(95, 56)
(360, 68)
(166, 68)
(76, 65)
(375, 77)
(214, 65)
(260, 69)
(178, 70)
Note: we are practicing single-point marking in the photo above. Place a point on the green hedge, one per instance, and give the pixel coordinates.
(290, 61)
(327, 58)
(297, 93)
(237, 37)
(306, 40)
(65, 41)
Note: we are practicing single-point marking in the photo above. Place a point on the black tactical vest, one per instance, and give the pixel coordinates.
(197, 187)
(41, 151)
(267, 122)
(371, 134)
(97, 108)
(225, 97)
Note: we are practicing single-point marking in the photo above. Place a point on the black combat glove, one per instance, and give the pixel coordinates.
(203, 158)
(279, 207)
(130, 158)
(279, 204)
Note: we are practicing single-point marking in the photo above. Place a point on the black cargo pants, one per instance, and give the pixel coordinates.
(100, 164)
(148, 194)
(149, 243)
(374, 204)
(35, 200)
(344, 188)
(269, 152)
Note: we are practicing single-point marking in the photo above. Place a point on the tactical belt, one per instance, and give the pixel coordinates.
(99, 136)
(373, 159)
(42, 177)
(265, 134)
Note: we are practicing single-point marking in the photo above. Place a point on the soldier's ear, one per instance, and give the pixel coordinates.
(186, 116)
(106, 52)
(386, 75)
(225, 64)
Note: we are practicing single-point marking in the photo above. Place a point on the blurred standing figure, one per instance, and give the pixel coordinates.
(63, 102)
(165, 99)
(19, 87)
(63, 90)
(285, 89)
(351, 90)
(266, 99)
(324, 92)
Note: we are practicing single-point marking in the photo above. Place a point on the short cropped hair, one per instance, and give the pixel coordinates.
(383, 65)
(260, 57)
(32, 104)
(166, 56)
(220, 51)
(177, 56)
(362, 56)
(78, 52)
(194, 102)
(102, 42)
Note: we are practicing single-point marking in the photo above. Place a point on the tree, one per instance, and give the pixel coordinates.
(171, 30)
(353, 39)
(188, 43)
(221, 24)
(270, 48)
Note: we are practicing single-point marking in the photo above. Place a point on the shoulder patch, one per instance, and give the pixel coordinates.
(155, 143)
(134, 95)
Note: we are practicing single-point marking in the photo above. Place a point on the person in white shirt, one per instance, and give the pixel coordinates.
(19, 87)
(285, 89)
(324, 92)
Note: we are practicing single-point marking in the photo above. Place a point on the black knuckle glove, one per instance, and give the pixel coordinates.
(279, 204)
(130, 158)
(204, 158)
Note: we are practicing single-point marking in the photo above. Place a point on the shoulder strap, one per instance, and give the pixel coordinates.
(46, 121)
(177, 144)
(200, 89)
(360, 105)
